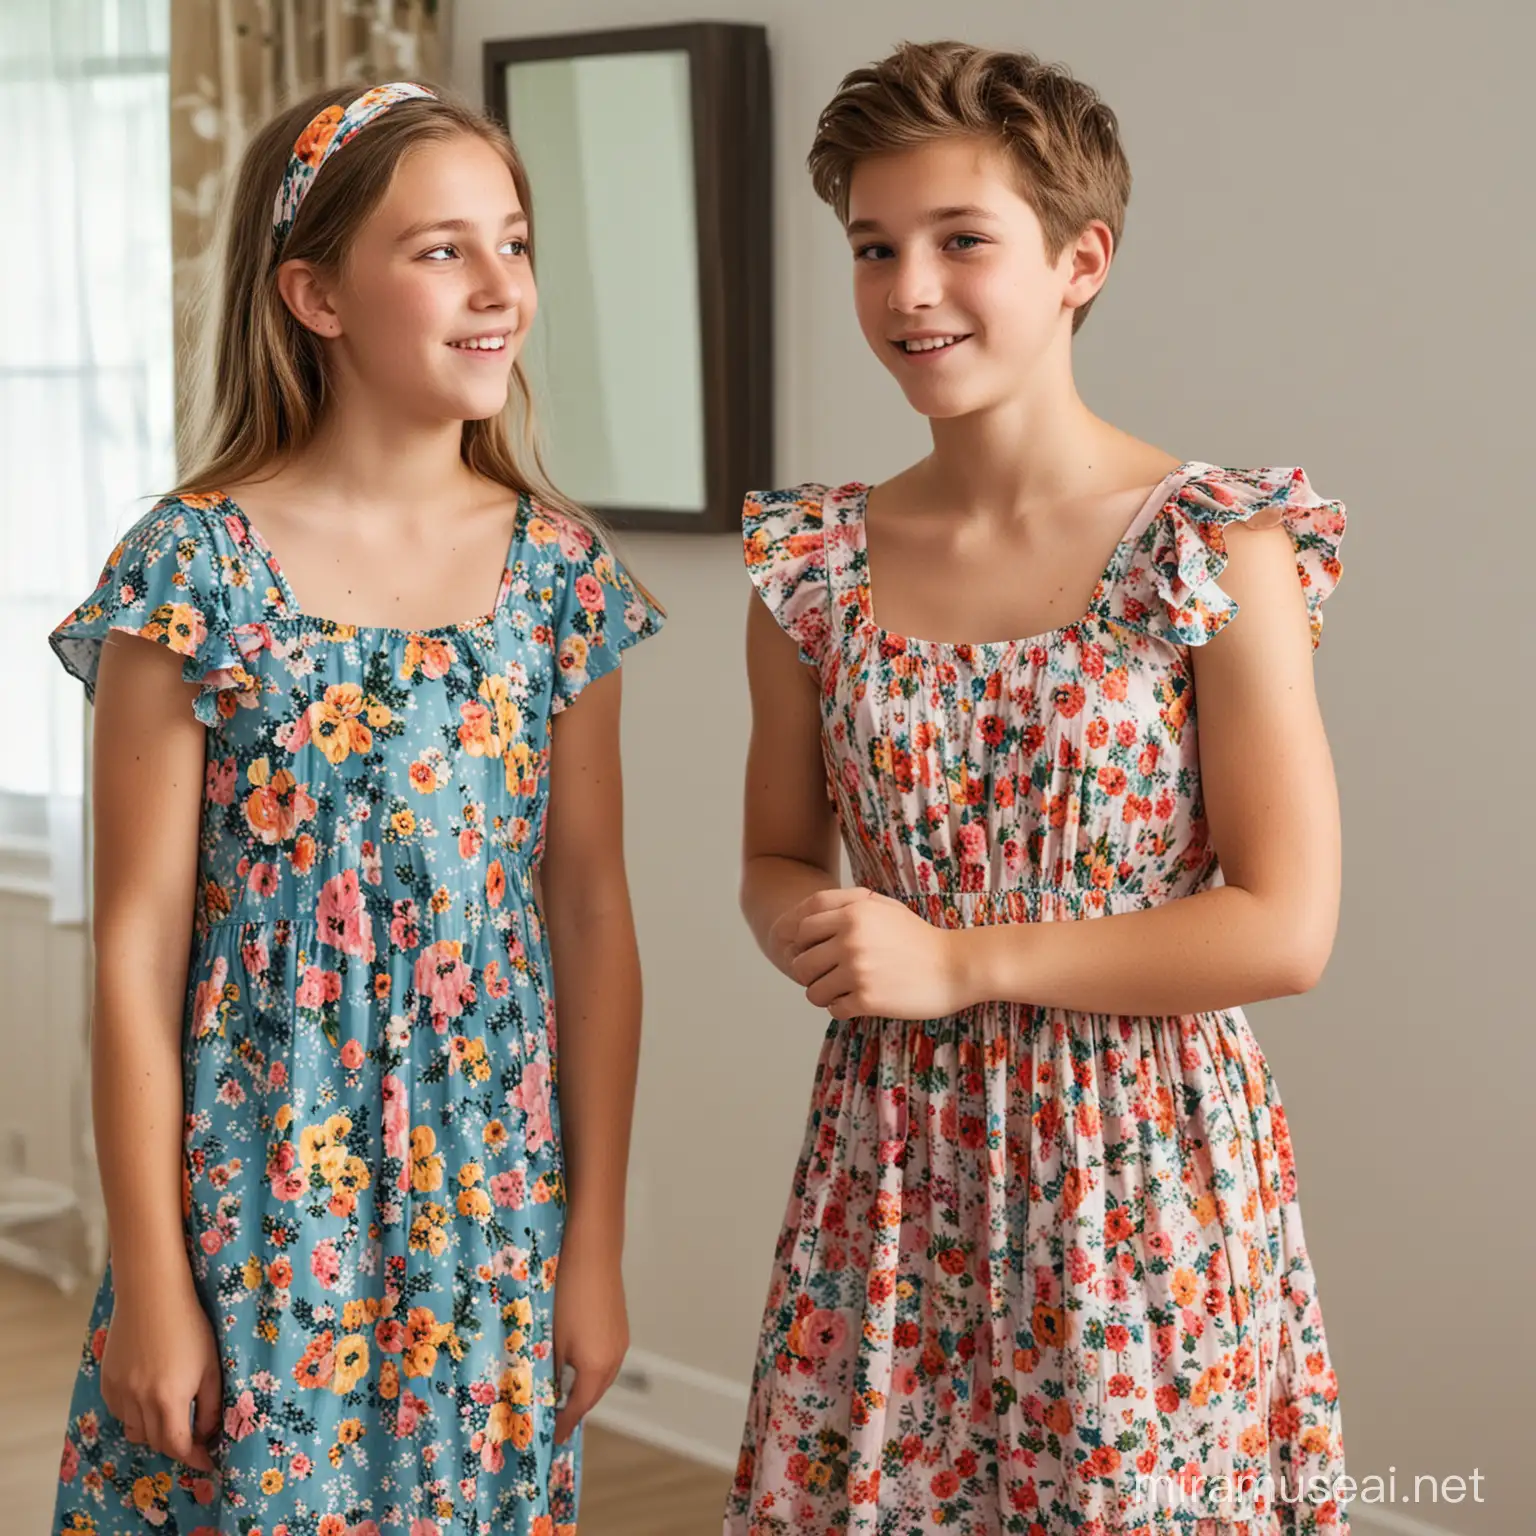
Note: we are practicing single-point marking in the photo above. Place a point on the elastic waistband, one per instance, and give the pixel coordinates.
(1018, 904)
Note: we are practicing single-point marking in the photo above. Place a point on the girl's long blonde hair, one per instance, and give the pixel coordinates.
(260, 389)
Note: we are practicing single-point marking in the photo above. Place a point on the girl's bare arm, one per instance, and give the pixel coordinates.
(148, 753)
(598, 1007)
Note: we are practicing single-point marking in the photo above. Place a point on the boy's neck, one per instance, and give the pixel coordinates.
(1024, 455)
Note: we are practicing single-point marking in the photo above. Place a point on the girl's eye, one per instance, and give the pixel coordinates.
(439, 253)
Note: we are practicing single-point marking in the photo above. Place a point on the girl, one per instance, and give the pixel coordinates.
(1043, 1268)
(338, 1179)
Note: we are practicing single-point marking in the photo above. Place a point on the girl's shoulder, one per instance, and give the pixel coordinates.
(1171, 588)
(177, 516)
(168, 580)
(596, 610)
(553, 534)
(173, 551)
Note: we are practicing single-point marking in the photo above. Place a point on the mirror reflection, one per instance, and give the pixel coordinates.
(615, 357)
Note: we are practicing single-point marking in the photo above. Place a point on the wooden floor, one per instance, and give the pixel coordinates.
(628, 1489)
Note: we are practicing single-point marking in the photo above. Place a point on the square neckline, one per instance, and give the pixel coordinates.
(1145, 515)
(294, 610)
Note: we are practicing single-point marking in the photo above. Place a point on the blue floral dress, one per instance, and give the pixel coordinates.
(372, 1184)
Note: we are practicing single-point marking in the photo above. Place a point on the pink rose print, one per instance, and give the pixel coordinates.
(287, 1178)
(444, 981)
(220, 781)
(343, 918)
(325, 1265)
(397, 1118)
(240, 1417)
(532, 1097)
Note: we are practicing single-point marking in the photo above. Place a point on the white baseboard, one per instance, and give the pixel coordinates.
(676, 1408)
(694, 1414)
(1376, 1520)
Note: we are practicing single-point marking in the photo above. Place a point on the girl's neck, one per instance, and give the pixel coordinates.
(355, 461)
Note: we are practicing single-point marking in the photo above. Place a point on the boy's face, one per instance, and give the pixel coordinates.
(948, 255)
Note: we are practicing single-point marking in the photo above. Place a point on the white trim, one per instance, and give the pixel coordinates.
(676, 1408)
(1369, 1519)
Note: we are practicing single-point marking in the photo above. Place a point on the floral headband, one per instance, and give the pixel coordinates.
(324, 135)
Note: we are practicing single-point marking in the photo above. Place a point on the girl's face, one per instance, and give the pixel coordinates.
(951, 283)
(437, 293)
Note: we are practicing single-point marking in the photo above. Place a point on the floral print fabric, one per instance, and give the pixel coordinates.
(1034, 1259)
(373, 1188)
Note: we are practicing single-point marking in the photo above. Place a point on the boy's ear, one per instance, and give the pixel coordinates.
(1090, 256)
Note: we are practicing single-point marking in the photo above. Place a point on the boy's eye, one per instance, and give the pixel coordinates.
(437, 250)
(876, 252)
(518, 247)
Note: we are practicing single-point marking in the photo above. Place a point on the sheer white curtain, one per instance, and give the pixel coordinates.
(86, 437)
(86, 392)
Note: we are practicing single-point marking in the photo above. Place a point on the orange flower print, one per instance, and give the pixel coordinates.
(1049, 1325)
(426, 1164)
(572, 660)
(318, 1362)
(340, 722)
(477, 733)
(311, 144)
(177, 625)
(433, 657)
(424, 1334)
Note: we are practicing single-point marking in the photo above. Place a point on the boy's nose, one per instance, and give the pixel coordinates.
(914, 286)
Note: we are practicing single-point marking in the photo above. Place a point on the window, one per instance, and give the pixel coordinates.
(86, 353)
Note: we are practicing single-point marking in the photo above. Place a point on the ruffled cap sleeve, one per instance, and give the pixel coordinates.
(163, 583)
(1184, 551)
(784, 543)
(599, 610)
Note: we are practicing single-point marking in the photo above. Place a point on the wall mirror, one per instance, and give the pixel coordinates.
(648, 151)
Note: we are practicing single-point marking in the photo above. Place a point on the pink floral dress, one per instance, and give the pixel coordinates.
(1042, 1270)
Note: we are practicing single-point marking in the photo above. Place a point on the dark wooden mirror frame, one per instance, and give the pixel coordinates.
(733, 194)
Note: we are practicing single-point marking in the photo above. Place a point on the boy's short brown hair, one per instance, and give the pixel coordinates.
(1063, 140)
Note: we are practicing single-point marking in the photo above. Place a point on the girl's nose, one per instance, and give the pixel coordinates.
(497, 287)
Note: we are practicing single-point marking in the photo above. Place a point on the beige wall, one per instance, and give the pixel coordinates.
(1320, 268)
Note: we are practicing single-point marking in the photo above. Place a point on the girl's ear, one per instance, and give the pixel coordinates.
(304, 292)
